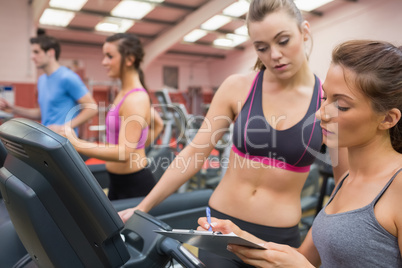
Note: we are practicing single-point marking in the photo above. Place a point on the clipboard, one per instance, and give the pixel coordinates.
(210, 241)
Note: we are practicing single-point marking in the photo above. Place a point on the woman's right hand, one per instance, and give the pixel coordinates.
(223, 226)
(4, 104)
(127, 214)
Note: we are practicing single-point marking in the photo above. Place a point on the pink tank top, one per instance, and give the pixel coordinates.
(113, 121)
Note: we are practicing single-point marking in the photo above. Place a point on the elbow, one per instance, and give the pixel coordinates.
(92, 111)
(158, 130)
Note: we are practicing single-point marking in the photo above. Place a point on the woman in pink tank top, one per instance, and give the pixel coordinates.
(128, 122)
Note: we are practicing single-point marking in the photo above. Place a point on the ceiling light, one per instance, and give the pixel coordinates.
(237, 9)
(215, 22)
(132, 9)
(237, 39)
(223, 42)
(71, 4)
(194, 35)
(114, 25)
(242, 30)
(156, 1)
(56, 17)
(231, 40)
(308, 5)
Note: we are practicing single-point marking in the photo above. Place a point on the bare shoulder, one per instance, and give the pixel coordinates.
(397, 184)
(238, 82)
(394, 191)
(396, 198)
(236, 87)
(136, 103)
(137, 97)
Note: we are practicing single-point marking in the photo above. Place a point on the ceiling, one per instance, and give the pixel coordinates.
(161, 30)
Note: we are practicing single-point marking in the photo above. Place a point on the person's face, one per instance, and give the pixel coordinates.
(39, 56)
(346, 114)
(279, 43)
(111, 59)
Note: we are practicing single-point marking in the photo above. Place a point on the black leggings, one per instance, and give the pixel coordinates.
(136, 184)
(289, 236)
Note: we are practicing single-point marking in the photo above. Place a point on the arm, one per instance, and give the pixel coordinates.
(191, 158)
(30, 113)
(275, 255)
(132, 112)
(156, 127)
(309, 250)
(89, 109)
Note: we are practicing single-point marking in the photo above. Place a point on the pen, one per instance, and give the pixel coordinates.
(208, 211)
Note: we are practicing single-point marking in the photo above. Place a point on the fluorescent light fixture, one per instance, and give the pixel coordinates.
(215, 22)
(114, 25)
(237, 39)
(68, 4)
(132, 9)
(231, 40)
(241, 30)
(237, 9)
(308, 5)
(194, 35)
(56, 17)
(223, 42)
(156, 1)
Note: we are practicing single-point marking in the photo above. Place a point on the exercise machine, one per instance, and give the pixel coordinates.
(61, 214)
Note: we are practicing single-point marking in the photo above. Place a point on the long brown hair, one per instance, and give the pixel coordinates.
(378, 69)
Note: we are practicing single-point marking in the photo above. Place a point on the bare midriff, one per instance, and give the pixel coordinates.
(260, 194)
(136, 161)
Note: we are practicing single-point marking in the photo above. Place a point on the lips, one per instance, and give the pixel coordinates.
(326, 132)
(280, 66)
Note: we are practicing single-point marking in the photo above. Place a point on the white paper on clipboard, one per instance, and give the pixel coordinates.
(210, 241)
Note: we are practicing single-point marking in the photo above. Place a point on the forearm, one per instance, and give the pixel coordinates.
(83, 116)
(30, 113)
(106, 152)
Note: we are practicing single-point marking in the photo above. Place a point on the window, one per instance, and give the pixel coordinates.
(171, 76)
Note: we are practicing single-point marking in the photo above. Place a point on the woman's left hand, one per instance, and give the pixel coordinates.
(59, 129)
(65, 131)
(275, 255)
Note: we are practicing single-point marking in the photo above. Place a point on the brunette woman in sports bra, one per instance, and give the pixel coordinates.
(361, 225)
(276, 135)
(128, 122)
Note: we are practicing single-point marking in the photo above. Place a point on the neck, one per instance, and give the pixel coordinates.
(130, 80)
(373, 159)
(51, 67)
(304, 76)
